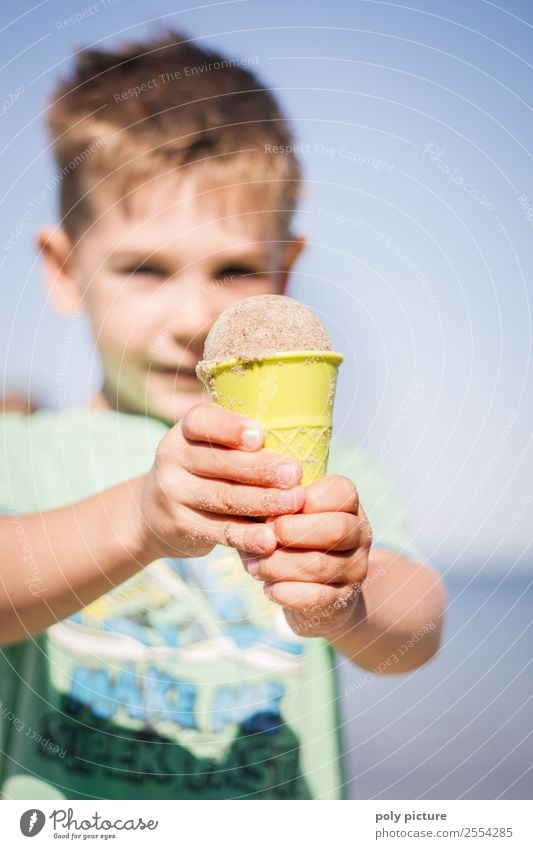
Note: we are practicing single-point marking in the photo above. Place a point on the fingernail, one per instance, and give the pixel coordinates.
(267, 589)
(265, 539)
(287, 473)
(252, 437)
(252, 567)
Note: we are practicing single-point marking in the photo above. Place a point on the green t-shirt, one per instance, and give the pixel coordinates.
(184, 681)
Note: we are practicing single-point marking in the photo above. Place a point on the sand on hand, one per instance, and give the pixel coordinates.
(269, 358)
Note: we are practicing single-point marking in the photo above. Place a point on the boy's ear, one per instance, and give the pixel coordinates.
(55, 249)
(291, 252)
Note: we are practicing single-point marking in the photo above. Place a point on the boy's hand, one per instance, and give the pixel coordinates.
(209, 478)
(316, 572)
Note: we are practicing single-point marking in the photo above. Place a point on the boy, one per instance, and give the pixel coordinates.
(155, 640)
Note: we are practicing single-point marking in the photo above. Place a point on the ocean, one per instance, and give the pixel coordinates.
(460, 727)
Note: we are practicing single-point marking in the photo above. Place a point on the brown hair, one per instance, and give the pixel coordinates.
(159, 105)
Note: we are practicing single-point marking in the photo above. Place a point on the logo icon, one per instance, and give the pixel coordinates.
(32, 822)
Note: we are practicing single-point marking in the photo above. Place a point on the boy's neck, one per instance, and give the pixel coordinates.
(98, 402)
(107, 400)
(101, 401)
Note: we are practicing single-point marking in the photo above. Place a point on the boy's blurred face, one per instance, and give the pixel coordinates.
(155, 276)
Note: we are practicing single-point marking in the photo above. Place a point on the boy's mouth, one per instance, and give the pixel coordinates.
(177, 372)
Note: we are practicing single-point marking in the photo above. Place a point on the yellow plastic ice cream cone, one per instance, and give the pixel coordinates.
(290, 394)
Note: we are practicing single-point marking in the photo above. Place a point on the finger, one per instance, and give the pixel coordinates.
(324, 531)
(263, 468)
(244, 535)
(330, 494)
(214, 496)
(307, 599)
(205, 530)
(314, 567)
(211, 423)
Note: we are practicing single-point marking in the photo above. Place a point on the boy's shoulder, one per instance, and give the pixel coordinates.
(51, 458)
(355, 463)
(379, 497)
(77, 429)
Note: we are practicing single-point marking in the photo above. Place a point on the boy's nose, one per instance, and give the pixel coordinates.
(194, 314)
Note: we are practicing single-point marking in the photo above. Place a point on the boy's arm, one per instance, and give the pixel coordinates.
(54, 563)
(396, 622)
(17, 404)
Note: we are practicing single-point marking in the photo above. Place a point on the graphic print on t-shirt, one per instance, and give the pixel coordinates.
(188, 652)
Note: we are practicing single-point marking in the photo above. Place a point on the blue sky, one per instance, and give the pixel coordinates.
(415, 122)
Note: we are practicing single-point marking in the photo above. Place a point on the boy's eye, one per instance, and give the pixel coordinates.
(230, 271)
(144, 269)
